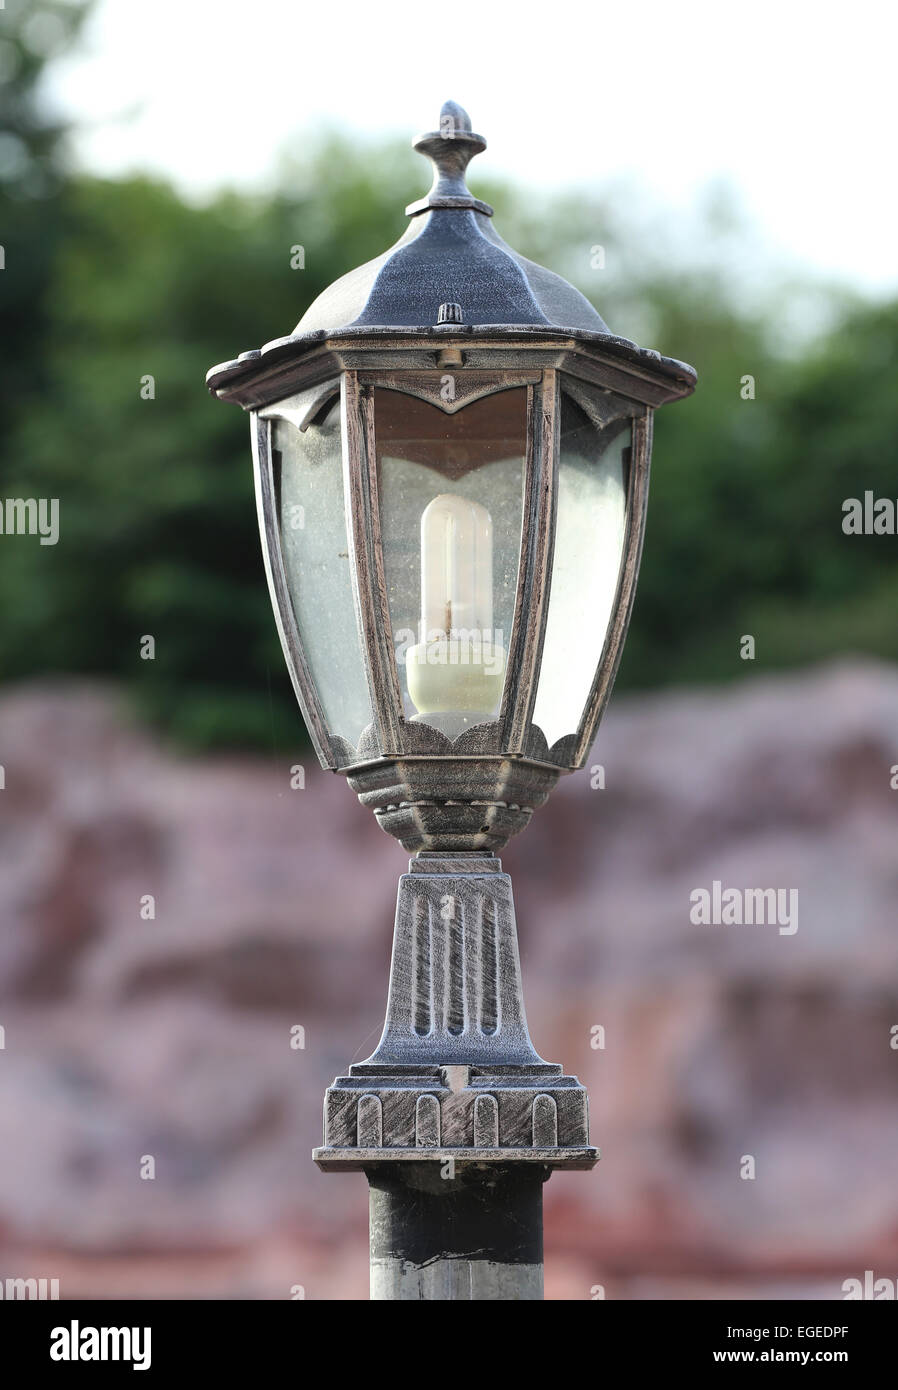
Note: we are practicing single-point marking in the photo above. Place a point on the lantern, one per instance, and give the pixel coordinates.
(452, 459)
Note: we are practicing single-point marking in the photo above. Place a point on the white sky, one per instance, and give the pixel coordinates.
(793, 103)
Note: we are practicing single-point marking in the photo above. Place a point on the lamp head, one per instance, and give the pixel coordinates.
(452, 455)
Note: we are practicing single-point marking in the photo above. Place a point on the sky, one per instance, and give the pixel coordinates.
(790, 104)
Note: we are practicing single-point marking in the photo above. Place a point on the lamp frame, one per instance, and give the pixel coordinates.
(417, 369)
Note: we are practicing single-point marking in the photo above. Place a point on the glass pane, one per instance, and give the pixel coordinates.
(308, 474)
(451, 491)
(589, 543)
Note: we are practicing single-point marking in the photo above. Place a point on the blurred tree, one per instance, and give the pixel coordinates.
(33, 225)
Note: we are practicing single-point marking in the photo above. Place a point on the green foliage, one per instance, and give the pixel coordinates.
(745, 531)
(108, 283)
(32, 228)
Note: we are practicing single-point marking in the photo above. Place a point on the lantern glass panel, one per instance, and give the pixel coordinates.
(307, 460)
(589, 543)
(451, 490)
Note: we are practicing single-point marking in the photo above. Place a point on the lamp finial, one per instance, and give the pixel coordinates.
(450, 149)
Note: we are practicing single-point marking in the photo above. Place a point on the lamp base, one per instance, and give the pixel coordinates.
(455, 1118)
(472, 1114)
(363, 1160)
(455, 1071)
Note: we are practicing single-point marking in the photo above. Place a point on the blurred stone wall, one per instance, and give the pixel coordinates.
(169, 1038)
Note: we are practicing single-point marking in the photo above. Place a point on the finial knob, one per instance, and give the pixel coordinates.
(455, 122)
(450, 150)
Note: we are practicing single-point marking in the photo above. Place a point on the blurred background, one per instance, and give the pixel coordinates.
(714, 185)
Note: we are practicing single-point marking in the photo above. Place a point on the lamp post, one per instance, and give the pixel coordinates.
(452, 460)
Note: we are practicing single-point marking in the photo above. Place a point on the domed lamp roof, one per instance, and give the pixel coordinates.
(451, 272)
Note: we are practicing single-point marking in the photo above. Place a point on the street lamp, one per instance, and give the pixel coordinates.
(452, 459)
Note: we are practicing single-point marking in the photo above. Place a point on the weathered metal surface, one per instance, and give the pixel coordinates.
(438, 1236)
(450, 254)
(446, 802)
(455, 1073)
(573, 1158)
(279, 371)
(450, 150)
(455, 986)
(469, 386)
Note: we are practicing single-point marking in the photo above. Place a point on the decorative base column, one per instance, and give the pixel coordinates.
(455, 1118)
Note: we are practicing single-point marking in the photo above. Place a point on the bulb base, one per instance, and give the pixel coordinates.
(456, 675)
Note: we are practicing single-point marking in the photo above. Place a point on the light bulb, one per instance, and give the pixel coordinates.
(458, 663)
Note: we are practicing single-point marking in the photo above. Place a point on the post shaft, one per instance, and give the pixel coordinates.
(472, 1234)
